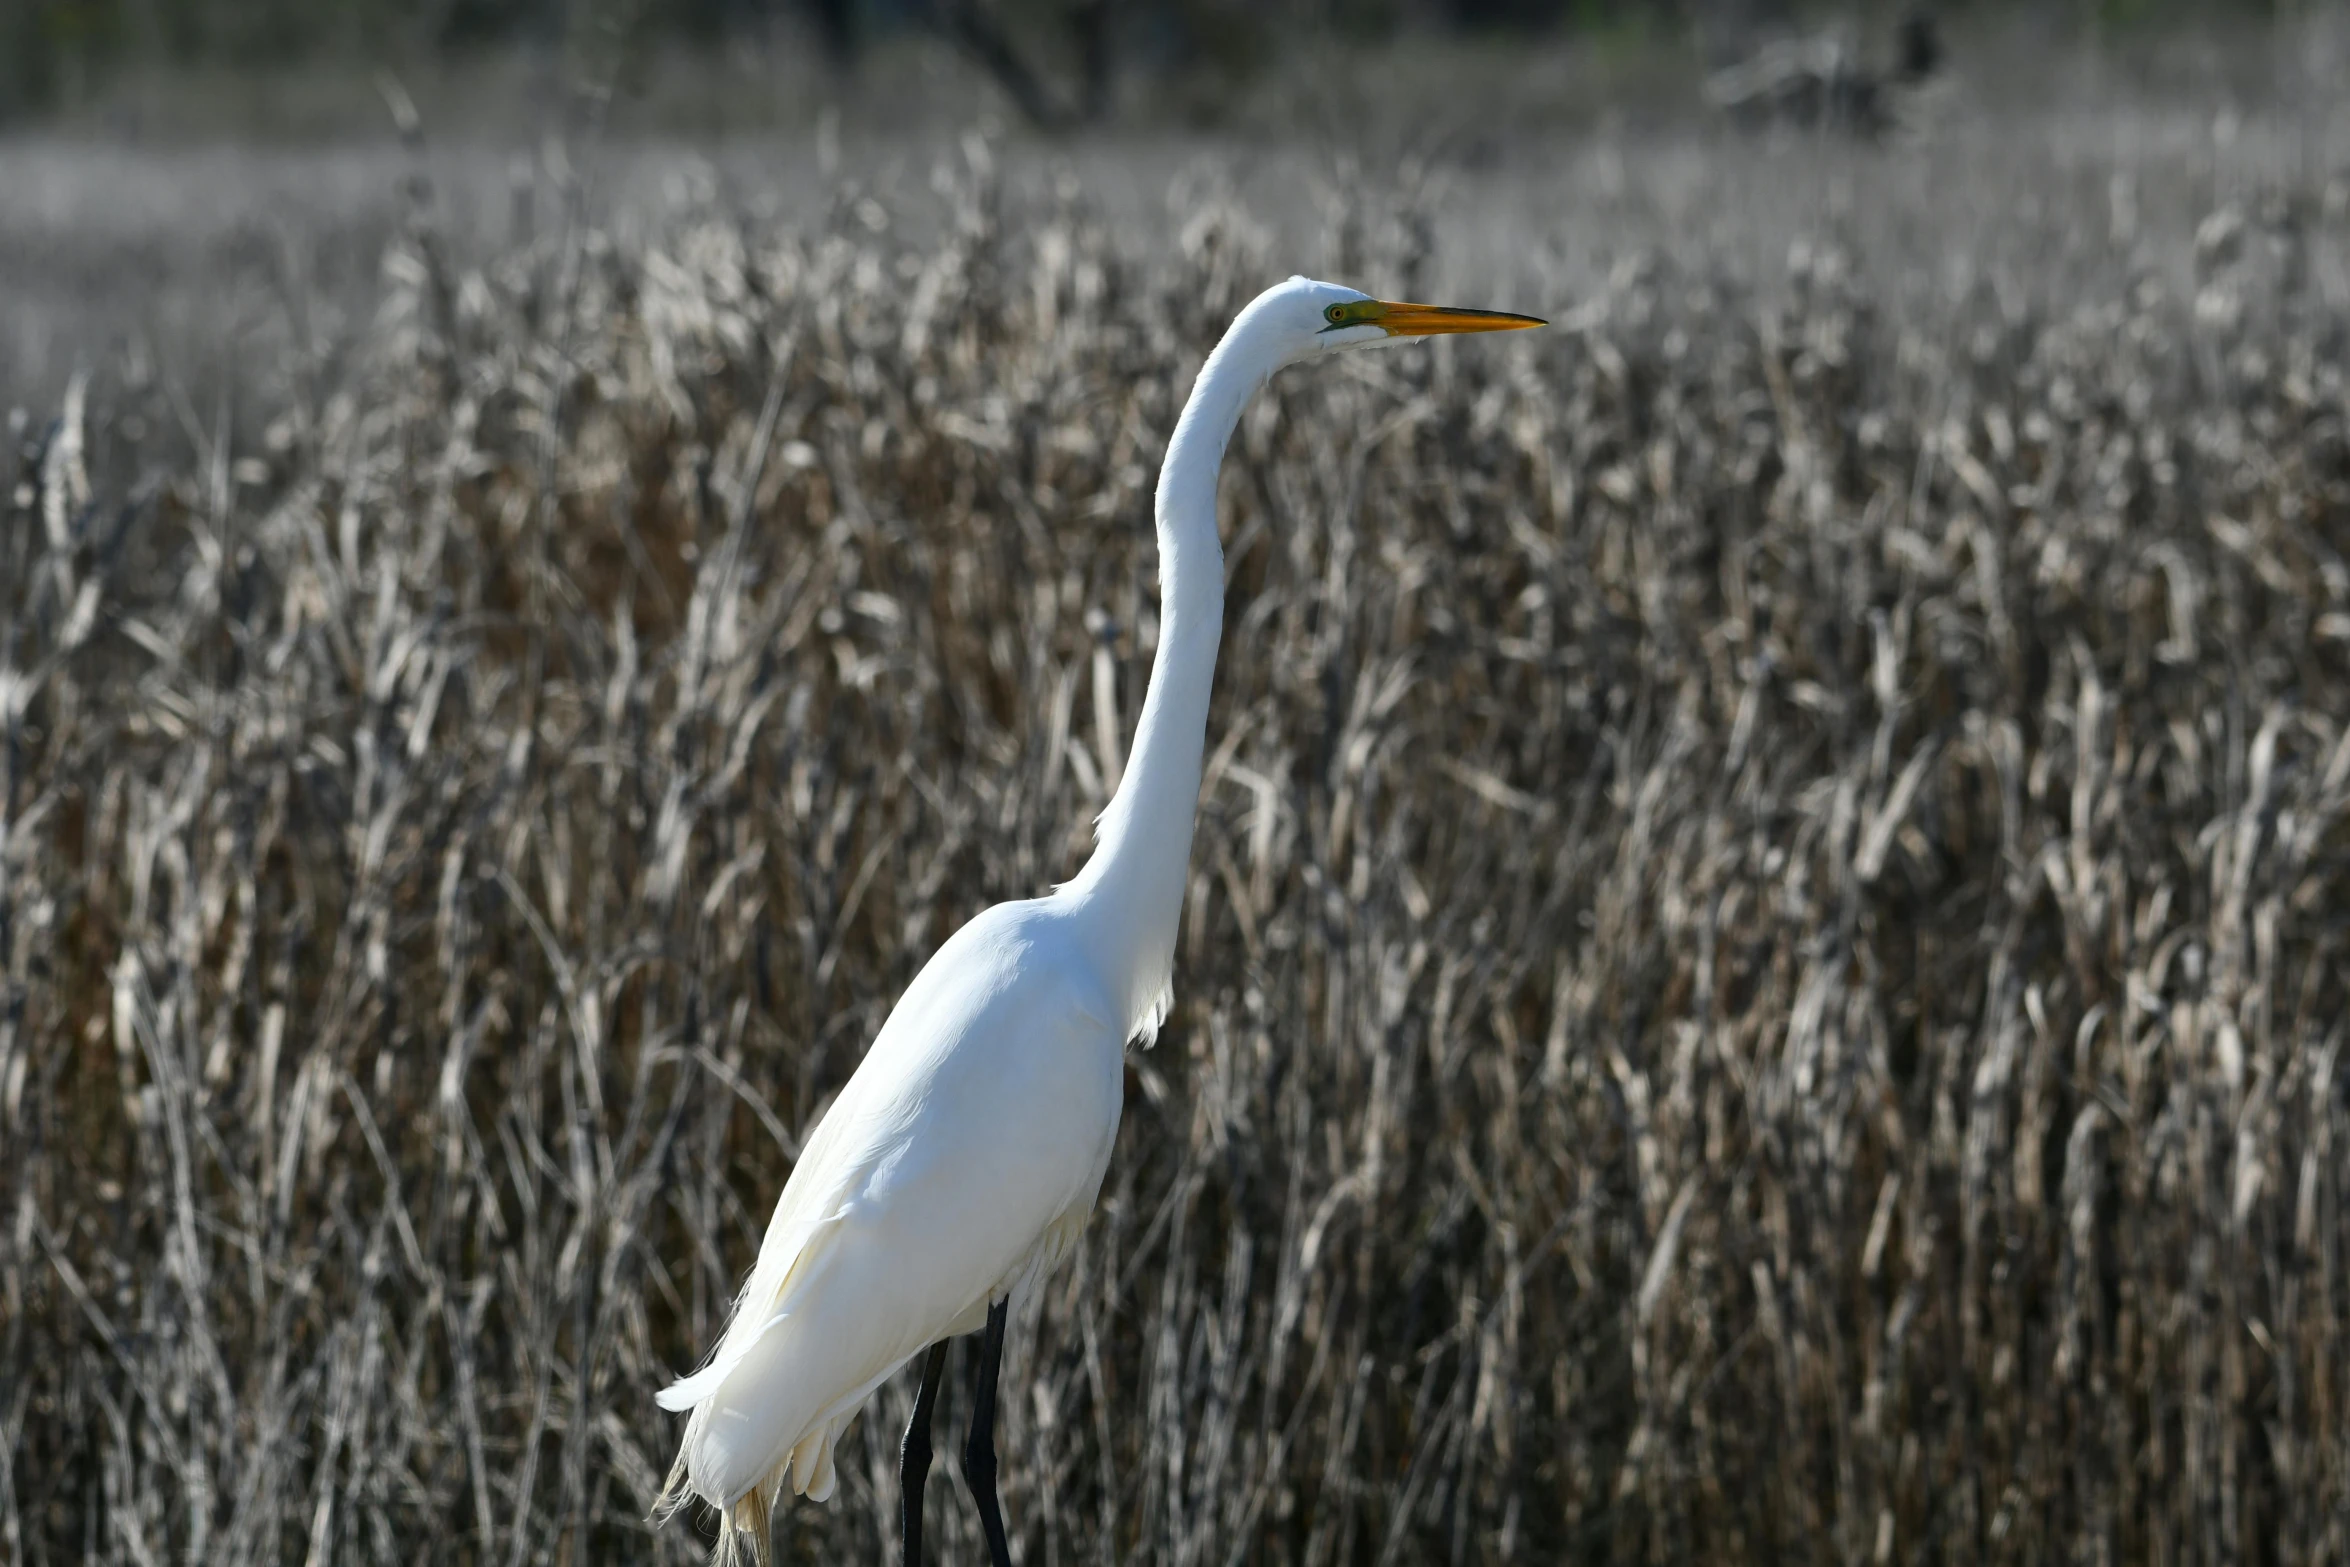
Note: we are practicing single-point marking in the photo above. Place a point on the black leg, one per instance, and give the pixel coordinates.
(914, 1457)
(979, 1455)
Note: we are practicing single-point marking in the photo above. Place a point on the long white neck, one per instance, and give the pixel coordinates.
(1132, 887)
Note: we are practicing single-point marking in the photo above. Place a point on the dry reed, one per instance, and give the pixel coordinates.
(1763, 979)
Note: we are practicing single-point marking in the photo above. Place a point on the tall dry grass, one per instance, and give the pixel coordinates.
(1764, 979)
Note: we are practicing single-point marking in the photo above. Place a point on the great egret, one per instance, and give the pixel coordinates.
(963, 1157)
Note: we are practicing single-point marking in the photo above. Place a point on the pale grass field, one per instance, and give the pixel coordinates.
(1764, 979)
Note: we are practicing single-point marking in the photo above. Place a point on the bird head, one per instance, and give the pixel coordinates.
(1319, 318)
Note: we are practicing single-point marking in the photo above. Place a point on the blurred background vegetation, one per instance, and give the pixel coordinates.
(1062, 63)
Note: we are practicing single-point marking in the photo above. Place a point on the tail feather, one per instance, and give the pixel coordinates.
(752, 1516)
(676, 1491)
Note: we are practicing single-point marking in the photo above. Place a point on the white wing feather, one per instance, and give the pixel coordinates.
(968, 1146)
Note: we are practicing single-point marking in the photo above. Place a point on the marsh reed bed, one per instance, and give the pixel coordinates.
(1764, 979)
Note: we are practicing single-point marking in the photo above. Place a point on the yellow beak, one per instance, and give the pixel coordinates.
(1401, 320)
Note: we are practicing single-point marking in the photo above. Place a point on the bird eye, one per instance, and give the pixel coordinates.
(1335, 314)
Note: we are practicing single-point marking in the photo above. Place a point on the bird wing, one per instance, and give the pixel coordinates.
(971, 1140)
(799, 1217)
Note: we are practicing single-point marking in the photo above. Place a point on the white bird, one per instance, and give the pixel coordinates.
(963, 1157)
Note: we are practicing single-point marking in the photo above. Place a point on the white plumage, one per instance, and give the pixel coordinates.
(964, 1155)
